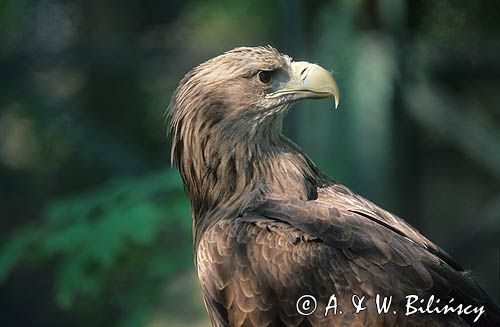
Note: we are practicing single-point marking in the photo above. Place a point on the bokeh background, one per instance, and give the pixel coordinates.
(94, 227)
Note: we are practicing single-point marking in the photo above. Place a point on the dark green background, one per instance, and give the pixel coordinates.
(95, 229)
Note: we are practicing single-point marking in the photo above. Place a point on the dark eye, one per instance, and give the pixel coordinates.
(265, 76)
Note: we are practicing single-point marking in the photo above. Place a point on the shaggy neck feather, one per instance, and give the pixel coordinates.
(221, 164)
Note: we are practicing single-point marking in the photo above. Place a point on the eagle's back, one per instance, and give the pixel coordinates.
(254, 268)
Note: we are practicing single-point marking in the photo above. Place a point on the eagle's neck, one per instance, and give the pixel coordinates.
(225, 170)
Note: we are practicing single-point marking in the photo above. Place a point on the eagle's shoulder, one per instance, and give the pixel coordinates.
(338, 195)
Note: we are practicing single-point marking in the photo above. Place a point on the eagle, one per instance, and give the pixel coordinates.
(270, 229)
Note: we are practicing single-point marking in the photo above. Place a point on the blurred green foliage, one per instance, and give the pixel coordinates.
(95, 229)
(126, 232)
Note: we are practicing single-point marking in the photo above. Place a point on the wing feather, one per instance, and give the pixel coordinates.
(258, 265)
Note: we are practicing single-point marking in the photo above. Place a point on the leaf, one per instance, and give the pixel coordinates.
(119, 240)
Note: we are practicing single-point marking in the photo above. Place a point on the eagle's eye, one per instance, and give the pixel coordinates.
(265, 76)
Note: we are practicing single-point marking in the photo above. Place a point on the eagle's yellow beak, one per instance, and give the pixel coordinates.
(309, 81)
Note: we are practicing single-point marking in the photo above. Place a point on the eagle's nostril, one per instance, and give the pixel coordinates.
(303, 73)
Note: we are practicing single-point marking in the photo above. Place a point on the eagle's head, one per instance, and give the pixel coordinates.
(245, 89)
(225, 123)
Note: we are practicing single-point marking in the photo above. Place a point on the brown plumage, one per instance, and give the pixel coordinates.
(269, 227)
